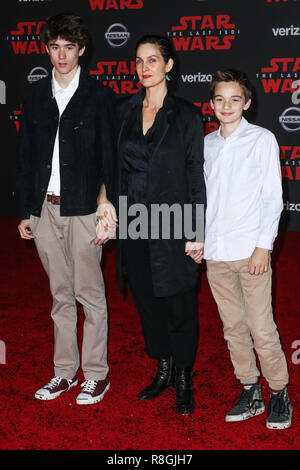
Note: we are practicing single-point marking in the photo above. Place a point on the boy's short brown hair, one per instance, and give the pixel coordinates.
(231, 75)
(66, 26)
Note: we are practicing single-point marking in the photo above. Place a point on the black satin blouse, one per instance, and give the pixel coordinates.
(136, 155)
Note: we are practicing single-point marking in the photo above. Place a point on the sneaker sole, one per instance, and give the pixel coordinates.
(53, 395)
(92, 400)
(244, 416)
(278, 426)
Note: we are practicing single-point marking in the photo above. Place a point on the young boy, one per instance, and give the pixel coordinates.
(244, 202)
(66, 149)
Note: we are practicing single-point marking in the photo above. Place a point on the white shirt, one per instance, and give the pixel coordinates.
(62, 96)
(244, 192)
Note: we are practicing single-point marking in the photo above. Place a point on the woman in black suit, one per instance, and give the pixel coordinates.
(160, 149)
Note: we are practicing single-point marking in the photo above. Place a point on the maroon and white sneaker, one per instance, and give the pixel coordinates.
(92, 391)
(55, 387)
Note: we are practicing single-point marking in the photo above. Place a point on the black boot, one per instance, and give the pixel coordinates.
(160, 381)
(172, 378)
(185, 403)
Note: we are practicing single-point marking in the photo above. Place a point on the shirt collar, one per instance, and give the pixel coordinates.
(56, 88)
(240, 130)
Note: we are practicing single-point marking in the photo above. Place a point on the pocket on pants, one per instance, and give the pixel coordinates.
(34, 222)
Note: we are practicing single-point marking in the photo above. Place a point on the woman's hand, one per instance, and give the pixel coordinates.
(107, 223)
(195, 251)
(106, 213)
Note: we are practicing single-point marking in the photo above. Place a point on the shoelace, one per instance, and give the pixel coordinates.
(253, 408)
(244, 398)
(53, 382)
(89, 386)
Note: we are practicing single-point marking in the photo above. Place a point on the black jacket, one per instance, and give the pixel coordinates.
(175, 176)
(87, 142)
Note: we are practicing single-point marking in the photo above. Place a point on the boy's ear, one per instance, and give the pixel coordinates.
(81, 51)
(212, 104)
(247, 105)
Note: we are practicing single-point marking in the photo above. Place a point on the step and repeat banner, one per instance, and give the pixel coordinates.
(261, 37)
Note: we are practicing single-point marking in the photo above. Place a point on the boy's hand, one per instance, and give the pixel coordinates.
(24, 229)
(259, 261)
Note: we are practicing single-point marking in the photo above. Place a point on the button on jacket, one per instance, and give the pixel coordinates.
(86, 133)
(244, 192)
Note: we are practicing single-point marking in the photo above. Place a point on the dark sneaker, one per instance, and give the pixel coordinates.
(279, 411)
(92, 391)
(248, 404)
(55, 387)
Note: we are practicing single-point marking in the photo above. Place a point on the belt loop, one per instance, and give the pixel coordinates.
(53, 199)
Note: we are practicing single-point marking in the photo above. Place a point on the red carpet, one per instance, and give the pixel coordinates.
(121, 422)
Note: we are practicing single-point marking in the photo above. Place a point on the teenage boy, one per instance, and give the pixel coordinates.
(244, 202)
(65, 153)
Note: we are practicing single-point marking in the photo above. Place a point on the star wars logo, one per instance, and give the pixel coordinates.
(282, 75)
(208, 116)
(120, 76)
(26, 38)
(116, 4)
(203, 33)
(290, 162)
(15, 118)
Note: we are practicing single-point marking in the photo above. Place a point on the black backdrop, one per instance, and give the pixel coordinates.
(261, 37)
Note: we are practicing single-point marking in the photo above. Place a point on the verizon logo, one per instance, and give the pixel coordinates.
(194, 78)
(290, 31)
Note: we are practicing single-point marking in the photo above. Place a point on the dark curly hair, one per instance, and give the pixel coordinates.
(66, 26)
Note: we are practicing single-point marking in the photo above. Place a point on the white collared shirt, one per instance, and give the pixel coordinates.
(62, 96)
(244, 192)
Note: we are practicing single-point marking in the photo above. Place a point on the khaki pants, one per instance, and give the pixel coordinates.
(72, 262)
(245, 307)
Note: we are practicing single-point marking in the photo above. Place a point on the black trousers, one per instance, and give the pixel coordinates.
(169, 324)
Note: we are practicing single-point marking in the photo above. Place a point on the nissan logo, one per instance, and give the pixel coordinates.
(36, 74)
(290, 119)
(117, 35)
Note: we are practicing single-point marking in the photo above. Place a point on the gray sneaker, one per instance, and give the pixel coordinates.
(279, 411)
(248, 404)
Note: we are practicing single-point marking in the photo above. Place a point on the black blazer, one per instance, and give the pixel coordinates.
(175, 176)
(87, 144)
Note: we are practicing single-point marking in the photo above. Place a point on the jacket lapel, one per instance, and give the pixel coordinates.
(50, 105)
(79, 95)
(162, 130)
(77, 98)
(126, 121)
(128, 116)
